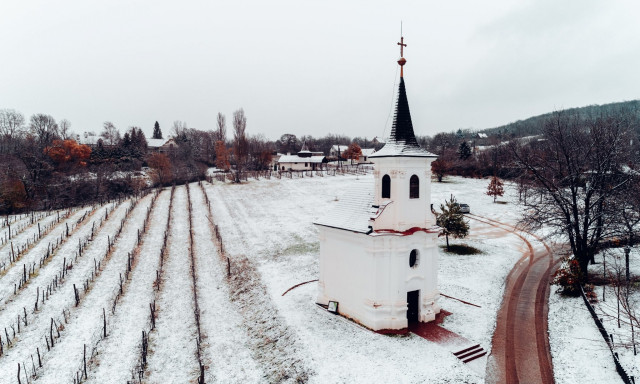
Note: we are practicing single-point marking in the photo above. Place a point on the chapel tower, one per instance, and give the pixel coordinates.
(378, 246)
(403, 171)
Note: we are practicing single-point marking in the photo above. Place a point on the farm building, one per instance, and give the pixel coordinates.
(366, 153)
(305, 160)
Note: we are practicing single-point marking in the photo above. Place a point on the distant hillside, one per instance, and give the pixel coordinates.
(534, 125)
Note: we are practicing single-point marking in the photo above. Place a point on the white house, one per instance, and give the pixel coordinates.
(305, 160)
(378, 249)
(366, 153)
(161, 145)
(338, 150)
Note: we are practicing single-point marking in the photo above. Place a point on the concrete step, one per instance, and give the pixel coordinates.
(471, 353)
(463, 351)
(476, 356)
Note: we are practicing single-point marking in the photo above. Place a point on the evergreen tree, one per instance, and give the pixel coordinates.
(451, 220)
(126, 140)
(157, 133)
(495, 188)
(464, 151)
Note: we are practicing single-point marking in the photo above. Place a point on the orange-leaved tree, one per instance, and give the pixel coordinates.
(67, 153)
(161, 168)
(353, 152)
(495, 188)
(222, 156)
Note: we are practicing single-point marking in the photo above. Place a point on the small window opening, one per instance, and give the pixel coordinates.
(414, 259)
(414, 187)
(386, 187)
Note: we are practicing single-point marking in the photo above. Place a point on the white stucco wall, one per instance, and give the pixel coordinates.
(369, 275)
(403, 213)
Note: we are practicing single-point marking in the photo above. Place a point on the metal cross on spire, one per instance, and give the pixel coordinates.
(402, 61)
(402, 45)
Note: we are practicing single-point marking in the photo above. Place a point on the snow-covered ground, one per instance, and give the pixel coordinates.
(270, 221)
(607, 310)
(251, 332)
(174, 346)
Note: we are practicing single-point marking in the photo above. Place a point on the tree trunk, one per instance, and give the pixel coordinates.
(447, 237)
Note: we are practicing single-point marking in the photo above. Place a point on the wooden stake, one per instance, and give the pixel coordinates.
(85, 361)
(51, 333)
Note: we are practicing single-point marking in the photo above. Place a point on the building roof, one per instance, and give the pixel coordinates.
(353, 210)
(156, 143)
(367, 151)
(341, 147)
(88, 138)
(402, 141)
(298, 159)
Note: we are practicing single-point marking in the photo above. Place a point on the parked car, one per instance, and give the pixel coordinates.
(464, 208)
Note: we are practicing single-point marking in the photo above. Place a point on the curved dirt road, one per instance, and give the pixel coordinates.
(520, 346)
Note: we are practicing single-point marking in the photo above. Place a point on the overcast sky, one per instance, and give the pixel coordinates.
(314, 67)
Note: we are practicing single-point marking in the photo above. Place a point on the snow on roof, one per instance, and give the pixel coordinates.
(88, 138)
(298, 159)
(353, 210)
(156, 143)
(368, 151)
(342, 147)
(398, 148)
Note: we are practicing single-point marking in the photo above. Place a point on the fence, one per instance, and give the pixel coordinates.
(293, 174)
(605, 335)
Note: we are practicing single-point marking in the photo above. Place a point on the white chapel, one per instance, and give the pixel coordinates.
(378, 247)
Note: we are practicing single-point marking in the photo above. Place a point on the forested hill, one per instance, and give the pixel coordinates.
(534, 125)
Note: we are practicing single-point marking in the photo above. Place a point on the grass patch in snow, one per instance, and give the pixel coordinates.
(461, 249)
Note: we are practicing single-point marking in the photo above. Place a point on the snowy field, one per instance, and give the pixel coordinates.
(241, 328)
(270, 222)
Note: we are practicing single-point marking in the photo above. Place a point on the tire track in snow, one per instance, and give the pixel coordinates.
(512, 344)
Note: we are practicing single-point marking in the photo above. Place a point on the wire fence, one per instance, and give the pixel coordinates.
(609, 340)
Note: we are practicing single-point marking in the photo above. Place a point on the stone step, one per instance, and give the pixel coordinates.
(462, 351)
(477, 356)
(470, 353)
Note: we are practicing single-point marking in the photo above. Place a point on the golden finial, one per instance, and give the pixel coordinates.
(402, 61)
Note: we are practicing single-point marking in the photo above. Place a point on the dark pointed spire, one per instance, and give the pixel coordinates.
(402, 140)
(402, 130)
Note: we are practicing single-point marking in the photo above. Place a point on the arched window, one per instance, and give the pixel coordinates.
(386, 187)
(414, 187)
(414, 258)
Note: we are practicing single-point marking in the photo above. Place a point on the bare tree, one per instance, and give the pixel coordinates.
(240, 143)
(64, 128)
(110, 133)
(11, 128)
(44, 128)
(575, 171)
(179, 128)
(221, 133)
(11, 123)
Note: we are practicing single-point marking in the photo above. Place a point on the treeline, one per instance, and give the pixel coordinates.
(44, 164)
(629, 110)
